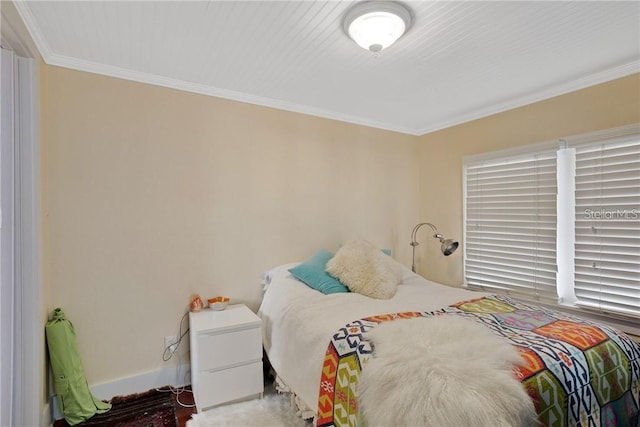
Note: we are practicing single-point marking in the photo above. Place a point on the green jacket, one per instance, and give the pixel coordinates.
(72, 391)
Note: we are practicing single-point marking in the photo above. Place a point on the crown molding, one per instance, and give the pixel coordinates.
(15, 35)
(52, 58)
(171, 83)
(34, 30)
(551, 92)
(141, 77)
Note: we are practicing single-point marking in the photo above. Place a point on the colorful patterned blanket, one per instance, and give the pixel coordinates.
(577, 373)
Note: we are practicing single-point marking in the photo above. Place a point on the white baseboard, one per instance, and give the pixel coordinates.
(45, 418)
(176, 376)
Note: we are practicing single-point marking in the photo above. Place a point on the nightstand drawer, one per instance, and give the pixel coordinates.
(229, 348)
(218, 387)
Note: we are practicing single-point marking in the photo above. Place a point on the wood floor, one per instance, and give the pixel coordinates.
(184, 414)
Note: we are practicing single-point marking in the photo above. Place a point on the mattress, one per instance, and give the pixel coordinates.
(298, 321)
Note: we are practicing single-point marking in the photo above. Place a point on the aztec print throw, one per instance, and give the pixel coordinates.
(578, 373)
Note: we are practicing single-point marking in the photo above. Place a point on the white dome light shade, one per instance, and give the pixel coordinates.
(376, 30)
(376, 25)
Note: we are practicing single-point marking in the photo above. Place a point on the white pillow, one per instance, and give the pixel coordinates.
(365, 269)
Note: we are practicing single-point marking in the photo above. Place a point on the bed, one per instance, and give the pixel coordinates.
(573, 371)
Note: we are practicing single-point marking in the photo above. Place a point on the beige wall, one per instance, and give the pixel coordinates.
(607, 105)
(152, 194)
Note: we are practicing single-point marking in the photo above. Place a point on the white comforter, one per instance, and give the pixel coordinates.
(298, 322)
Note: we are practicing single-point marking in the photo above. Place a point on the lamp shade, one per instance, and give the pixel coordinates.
(376, 25)
(448, 246)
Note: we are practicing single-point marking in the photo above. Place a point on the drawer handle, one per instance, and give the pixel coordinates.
(229, 330)
(234, 365)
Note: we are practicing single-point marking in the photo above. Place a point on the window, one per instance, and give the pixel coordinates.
(558, 222)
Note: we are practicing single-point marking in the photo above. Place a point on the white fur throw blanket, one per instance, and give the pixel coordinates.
(441, 371)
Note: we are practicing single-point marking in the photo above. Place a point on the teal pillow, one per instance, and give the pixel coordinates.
(312, 273)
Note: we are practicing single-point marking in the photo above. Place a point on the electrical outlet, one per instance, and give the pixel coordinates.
(171, 342)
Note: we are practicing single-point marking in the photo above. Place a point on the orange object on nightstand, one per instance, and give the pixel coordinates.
(218, 303)
(196, 304)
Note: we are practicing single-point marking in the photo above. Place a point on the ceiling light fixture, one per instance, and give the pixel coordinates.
(375, 25)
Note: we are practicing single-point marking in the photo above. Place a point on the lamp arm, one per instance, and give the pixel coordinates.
(414, 242)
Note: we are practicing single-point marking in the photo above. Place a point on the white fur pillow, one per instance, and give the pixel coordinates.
(365, 269)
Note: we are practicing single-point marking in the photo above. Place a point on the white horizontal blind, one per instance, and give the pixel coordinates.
(510, 225)
(607, 226)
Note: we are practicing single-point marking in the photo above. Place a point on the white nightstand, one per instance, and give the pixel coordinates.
(226, 355)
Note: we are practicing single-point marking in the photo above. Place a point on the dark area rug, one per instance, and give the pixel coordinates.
(149, 409)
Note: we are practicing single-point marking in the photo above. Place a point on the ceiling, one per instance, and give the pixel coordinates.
(458, 62)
